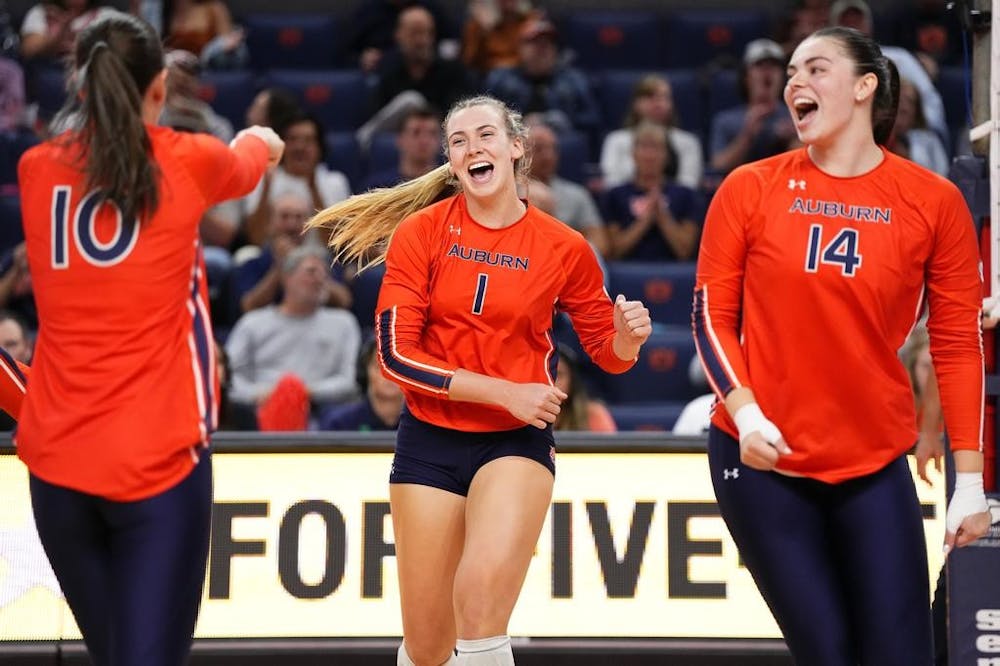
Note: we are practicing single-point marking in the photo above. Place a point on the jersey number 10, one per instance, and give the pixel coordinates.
(83, 225)
(841, 251)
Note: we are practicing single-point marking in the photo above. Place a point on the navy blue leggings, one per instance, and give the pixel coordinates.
(843, 567)
(132, 572)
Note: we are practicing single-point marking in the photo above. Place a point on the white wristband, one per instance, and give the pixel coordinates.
(749, 418)
(969, 498)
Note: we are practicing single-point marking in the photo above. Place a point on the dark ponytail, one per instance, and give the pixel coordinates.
(116, 59)
(868, 59)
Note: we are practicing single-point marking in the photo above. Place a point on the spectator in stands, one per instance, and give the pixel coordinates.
(299, 342)
(205, 28)
(50, 28)
(858, 15)
(274, 108)
(911, 137)
(760, 127)
(184, 109)
(540, 83)
(651, 218)
(15, 338)
(301, 171)
(419, 144)
(15, 285)
(579, 411)
(573, 203)
(381, 400)
(413, 75)
(258, 280)
(374, 23)
(806, 17)
(652, 100)
(492, 33)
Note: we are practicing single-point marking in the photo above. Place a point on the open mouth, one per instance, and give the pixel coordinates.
(481, 172)
(804, 108)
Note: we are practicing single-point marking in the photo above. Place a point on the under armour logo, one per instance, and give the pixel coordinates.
(733, 473)
(454, 230)
(792, 184)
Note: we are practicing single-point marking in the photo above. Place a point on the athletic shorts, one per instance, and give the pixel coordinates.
(448, 459)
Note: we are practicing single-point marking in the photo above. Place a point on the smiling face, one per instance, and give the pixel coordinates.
(481, 152)
(824, 93)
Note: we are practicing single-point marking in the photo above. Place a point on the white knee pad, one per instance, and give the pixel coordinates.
(493, 651)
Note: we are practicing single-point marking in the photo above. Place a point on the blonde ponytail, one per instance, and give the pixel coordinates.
(360, 226)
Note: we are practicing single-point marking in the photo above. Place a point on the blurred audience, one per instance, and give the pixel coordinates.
(274, 108)
(572, 202)
(184, 109)
(579, 411)
(653, 101)
(492, 33)
(911, 138)
(16, 293)
(15, 336)
(652, 218)
(205, 28)
(374, 23)
(49, 29)
(381, 400)
(761, 126)
(299, 344)
(419, 145)
(541, 83)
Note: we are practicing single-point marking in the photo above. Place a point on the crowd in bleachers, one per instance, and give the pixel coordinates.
(636, 117)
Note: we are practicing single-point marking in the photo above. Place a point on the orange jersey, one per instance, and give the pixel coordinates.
(808, 285)
(123, 384)
(457, 294)
(13, 381)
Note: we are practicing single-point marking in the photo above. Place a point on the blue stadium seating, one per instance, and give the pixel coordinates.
(697, 37)
(338, 97)
(364, 288)
(606, 39)
(723, 91)
(382, 154)
(952, 86)
(666, 288)
(574, 154)
(47, 86)
(652, 416)
(229, 93)
(11, 231)
(661, 372)
(299, 41)
(344, 155)
(614, 93)
(12, 146)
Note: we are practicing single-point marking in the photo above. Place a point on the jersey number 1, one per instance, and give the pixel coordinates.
(841, 251)
(84, 232)
(480, 298)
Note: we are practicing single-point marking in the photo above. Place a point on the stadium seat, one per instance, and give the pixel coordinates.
(11, 231)
(574, 154)
(614, 93)
(47, 86)
(653, 416)
(229, 93)
(12, 146)
(383, 154)
(364, 288)
(622, 39)
(952, 86)
(661, 372)
(344, 155)
(338, 97)
(299, 41)
(666, 288)
(697, 37)
(723, 92)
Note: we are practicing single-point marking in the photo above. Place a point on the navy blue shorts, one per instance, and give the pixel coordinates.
(430, 455)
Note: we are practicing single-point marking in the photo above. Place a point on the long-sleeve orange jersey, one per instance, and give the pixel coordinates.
(457, 294)
(807, 286)
(13, 382)
(123, 381)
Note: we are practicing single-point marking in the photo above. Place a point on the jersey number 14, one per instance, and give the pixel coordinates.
(842, 251)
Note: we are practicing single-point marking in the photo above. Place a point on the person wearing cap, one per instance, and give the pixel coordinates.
(542, 83)
(858, 15)
(760, 127)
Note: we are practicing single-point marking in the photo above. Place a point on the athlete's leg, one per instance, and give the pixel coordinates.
(881, 545)
(782, 535)
(75, 539)
(159, 551)
(508, 500)
(428, 525)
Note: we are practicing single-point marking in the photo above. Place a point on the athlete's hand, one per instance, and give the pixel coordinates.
(632, 327)
(968, 515)
(535, 404)
(929, 447)
(761, 443)
(275, 146)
